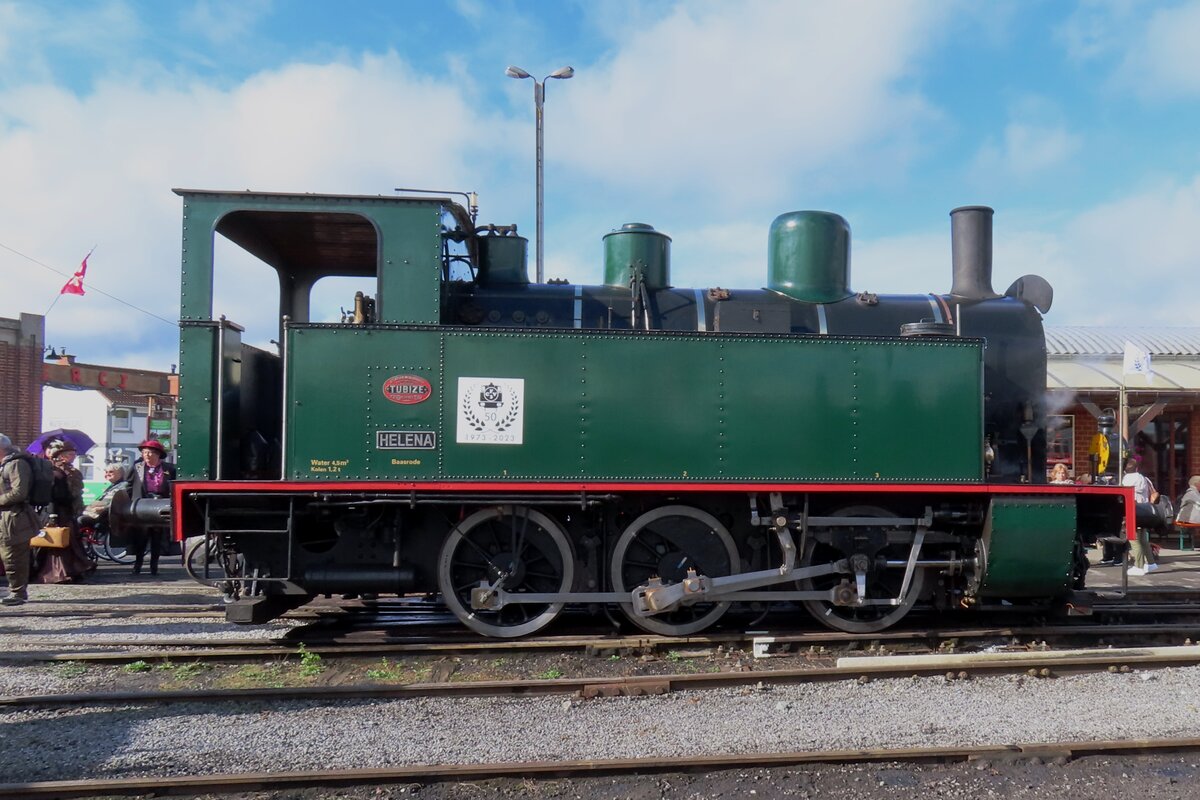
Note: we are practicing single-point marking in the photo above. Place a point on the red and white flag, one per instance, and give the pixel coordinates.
(75, 285)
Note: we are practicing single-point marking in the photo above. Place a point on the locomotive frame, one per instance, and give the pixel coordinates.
(670, 452)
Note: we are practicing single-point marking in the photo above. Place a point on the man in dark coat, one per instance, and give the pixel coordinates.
(18, 523)
(151, 476)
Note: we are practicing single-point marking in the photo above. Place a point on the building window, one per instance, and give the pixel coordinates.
(122, 420)
(1163, 446)
(1060, 441)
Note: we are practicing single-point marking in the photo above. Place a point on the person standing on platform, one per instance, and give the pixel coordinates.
(18, 522)
(70, 563)
(151, 477)
(1143, 492)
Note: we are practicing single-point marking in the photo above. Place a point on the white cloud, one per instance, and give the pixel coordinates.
(33, 37)
(1097, 28)
(1153, 46)
(473, 11)
(224, 21)
(727, 102)
(1036, 139)
(1129, 261)
(1026, 151)
(1138, 256)
(1164, 61)
(910, 264)
(97, 170)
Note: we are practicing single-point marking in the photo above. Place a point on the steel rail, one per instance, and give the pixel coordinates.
(1041, 664)
(243, 649)
(253, 781)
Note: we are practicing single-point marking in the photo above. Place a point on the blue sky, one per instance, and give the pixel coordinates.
(1076, 121)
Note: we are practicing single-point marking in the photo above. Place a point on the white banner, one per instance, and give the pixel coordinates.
(1137, 362)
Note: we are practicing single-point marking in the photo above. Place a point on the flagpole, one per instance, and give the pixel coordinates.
(52, 305)
(1122, 430)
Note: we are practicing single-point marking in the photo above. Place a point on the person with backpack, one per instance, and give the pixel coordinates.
(18, 522)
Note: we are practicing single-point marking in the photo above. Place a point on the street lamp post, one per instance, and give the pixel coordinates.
(539, 96)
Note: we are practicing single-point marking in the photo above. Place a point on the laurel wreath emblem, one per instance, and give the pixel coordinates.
(477, 423)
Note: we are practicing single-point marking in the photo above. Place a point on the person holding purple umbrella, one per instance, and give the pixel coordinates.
(71, 563)
(72, 436)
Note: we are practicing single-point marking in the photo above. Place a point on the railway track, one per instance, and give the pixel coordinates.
(1044, 664)
(256, 781)
(762, 644)
(867, 669)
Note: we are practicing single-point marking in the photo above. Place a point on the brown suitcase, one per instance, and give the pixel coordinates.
(57, 538)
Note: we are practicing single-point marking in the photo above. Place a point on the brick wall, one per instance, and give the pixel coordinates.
(21, 347)
(1085, 429)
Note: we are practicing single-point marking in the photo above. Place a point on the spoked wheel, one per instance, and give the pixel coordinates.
(87, 537)
(881, 583)
(118, 511)
(116, 553)
(197, 560)
(514, 548)
(666, 542)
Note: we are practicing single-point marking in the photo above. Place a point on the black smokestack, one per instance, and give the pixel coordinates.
(971, 252)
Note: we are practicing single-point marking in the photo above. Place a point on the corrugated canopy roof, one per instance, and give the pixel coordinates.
(1110, 341)
(1092, 358)
(1099, 374)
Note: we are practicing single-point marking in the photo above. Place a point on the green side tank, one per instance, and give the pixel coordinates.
(808, 256)
(637, 247)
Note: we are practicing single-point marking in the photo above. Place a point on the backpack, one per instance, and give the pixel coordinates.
(43, 478)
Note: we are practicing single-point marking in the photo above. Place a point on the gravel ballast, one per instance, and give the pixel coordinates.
(190, 738)
(234, 737)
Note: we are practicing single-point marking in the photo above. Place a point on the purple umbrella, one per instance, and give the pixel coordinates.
(78, 438)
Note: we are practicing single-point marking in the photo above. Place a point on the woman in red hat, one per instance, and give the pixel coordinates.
(151, 477)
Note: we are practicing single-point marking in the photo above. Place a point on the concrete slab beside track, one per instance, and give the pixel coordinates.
(1178, 572)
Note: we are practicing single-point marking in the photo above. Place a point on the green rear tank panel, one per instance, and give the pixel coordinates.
(564, 405)
(1030, 546)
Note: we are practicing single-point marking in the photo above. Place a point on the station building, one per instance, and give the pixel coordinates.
(1089, 393)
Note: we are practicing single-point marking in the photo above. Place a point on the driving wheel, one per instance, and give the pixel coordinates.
(666, 542)
(881, 582)
(514, 548)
